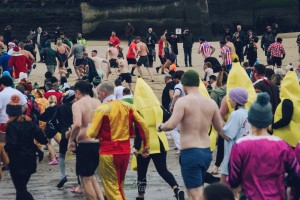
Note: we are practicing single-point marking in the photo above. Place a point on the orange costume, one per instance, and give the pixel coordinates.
(112, 124)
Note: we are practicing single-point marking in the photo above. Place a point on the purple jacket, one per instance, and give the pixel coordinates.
(259, 164)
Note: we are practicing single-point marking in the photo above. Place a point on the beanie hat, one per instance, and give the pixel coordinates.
(190, 78)
(16, 48)
(239, 95)
(14, 107)
(260, 113)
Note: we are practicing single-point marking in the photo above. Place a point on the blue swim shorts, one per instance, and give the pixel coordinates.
(194, 164)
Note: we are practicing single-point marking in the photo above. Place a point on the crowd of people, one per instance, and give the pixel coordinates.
(95, 119)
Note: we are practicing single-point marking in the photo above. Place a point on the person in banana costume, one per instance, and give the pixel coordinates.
(287, 116)
(147, 104)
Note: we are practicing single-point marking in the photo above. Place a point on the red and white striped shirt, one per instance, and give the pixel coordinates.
(226, 55)
(276, 50)
(205, 48)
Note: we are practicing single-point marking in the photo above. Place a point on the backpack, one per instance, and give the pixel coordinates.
(32, 110)
(52, 126)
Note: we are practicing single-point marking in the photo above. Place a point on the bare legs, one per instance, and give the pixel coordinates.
(91, 188)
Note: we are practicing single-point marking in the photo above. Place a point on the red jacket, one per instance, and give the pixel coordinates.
(19, 63)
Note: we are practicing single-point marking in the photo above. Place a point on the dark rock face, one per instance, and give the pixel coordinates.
(96, 18)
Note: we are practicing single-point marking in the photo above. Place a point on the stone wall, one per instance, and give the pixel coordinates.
(96, 18)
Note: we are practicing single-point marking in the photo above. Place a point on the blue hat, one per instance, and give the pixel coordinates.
(260, 113)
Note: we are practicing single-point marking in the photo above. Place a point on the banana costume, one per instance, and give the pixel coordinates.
(238, 77)
(146, 102)
(213, 134)
(289, 89)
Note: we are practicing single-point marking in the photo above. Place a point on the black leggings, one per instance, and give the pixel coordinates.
(220, 151)
(160, 162)
(20, 183)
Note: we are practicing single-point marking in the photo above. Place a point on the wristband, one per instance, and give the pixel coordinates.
(159, 128)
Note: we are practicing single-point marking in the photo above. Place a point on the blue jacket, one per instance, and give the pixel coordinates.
(4, 63)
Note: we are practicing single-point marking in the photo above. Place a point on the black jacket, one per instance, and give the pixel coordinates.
(174, 46)
(20, 146)
(188, 40)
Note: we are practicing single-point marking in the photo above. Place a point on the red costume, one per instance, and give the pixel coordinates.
(19, 63)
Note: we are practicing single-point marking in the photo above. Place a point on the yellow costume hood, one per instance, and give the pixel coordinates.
(146, 102)
(289, 89)
(239, 78)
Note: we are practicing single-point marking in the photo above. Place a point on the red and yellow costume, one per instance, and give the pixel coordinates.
(112, 124)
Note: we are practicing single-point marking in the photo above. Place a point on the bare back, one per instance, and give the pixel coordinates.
(85, 108)
(142, 49)
(230, 45)
(197, 120)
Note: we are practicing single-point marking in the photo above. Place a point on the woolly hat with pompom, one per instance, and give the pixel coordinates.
(260, 113)
(14, 107)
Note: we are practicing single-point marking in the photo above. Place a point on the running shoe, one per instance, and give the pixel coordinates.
(179, 195)
(53, 162)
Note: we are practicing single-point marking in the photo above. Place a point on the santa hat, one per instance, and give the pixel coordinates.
(16, 49)
(14, 107)
(11, 44)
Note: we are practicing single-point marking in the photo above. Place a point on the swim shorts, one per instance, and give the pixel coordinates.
(131, 61)
(78, 62)
(194, 163)
(87, 158)
(162, 60)
(126, 77)
(113, 63)
(143, 60)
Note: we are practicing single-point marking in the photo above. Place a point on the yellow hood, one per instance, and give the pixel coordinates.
(290, 88)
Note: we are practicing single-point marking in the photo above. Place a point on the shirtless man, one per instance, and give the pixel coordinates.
(98, 63)
(25, 52)
(142, 52)
(111, 55)
(195, 122)
(87, 150)
(230, 45)
(124, 71)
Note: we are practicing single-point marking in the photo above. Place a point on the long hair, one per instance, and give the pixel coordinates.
(222, 79)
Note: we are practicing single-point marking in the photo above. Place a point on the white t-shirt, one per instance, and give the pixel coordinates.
(118, 92)
(179, 89)
(236, 127)
(5, 96)
(208, 73)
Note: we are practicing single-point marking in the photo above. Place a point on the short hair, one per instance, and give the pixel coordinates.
(228, 38)
(137, 37)
(222, 42)
(110, 44)
(74, 41)
(49, 85)
(63, 80)
(217, 191)
(48, 74)
(21, 45)
(279, 39)
(62, 33)
(107, 86)
(245, 64)
(53, 79)
(213, 77)
(6, 81)
(178, 74)
(83, 87)
(126, 91)
(260, 69)
(118, 82)
(95, 51)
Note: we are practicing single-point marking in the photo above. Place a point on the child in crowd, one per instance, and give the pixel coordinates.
(236, 127)
(208, 71)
